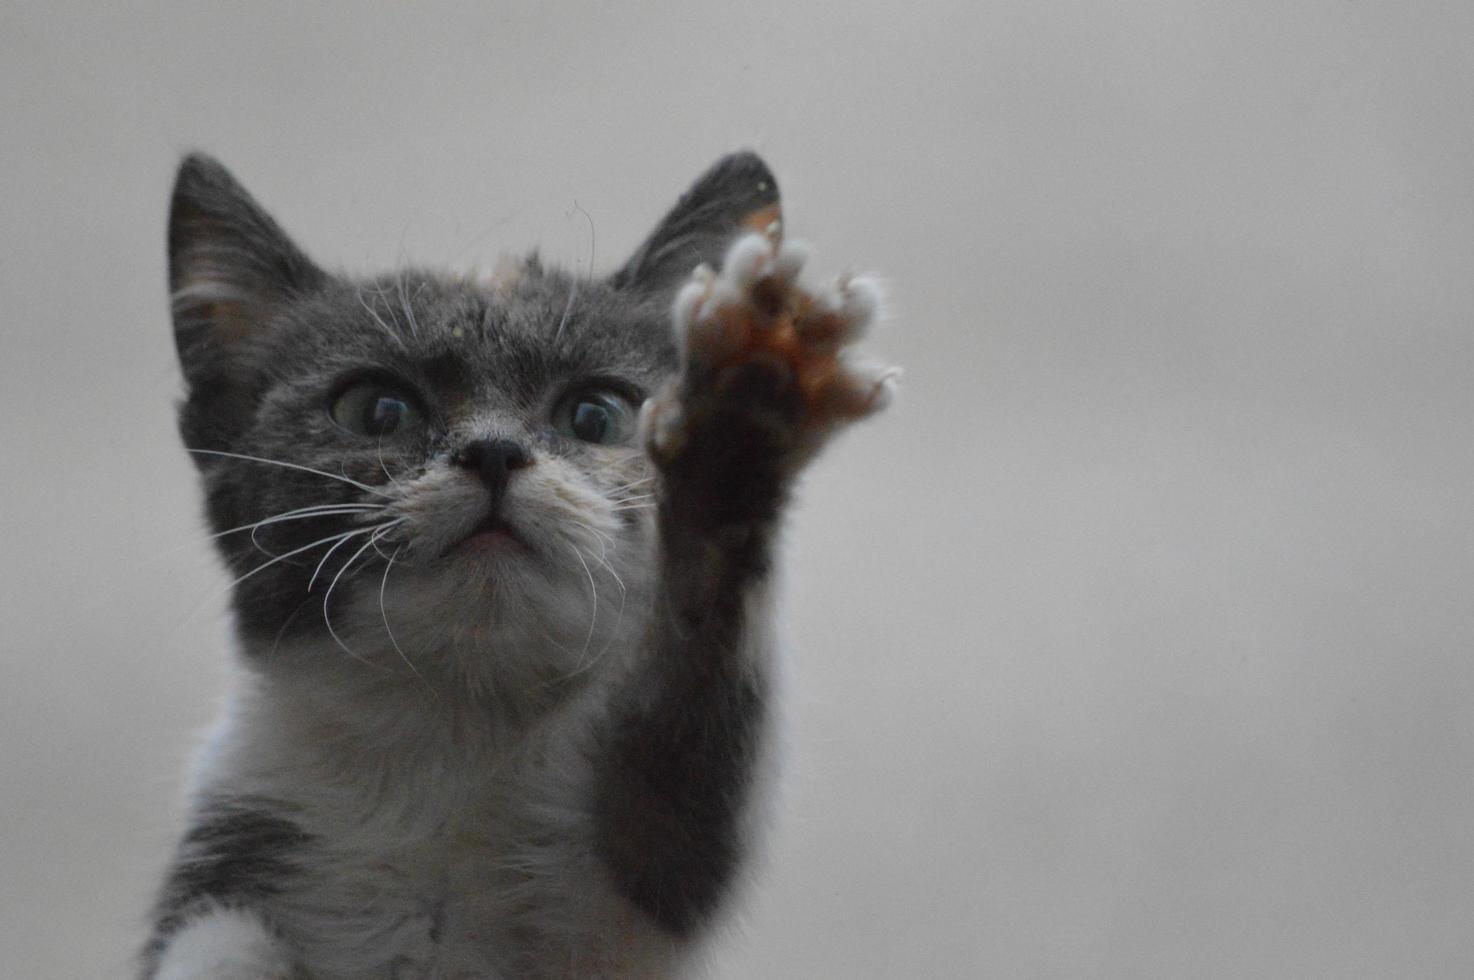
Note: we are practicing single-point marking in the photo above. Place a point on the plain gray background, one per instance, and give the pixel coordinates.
(1134, 642)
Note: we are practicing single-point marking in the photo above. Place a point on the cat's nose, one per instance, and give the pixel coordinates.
(494, 460)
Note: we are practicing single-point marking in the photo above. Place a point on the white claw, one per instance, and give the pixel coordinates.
(855, 301)
(886, 388)
(659, 423)
(687, 301)
(790, 261)
(746, 259)
(875, 385)
(684, 310)
(724, 292)
(859, 301)
(645, 421)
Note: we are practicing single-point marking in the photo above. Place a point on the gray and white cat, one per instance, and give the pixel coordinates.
(503, 552)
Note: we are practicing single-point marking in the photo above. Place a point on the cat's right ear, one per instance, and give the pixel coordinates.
(231, 267)
(738, 193)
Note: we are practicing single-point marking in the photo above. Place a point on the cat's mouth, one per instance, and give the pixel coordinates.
(492, 533)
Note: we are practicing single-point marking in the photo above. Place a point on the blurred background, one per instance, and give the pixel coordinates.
(1135, 641)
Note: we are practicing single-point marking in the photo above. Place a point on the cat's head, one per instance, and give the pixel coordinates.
(425, 472)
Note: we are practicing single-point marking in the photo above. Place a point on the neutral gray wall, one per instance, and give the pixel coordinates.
(1135, 642)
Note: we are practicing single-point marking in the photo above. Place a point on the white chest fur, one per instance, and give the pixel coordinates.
(433, 851)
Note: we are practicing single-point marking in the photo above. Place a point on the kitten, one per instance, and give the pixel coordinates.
(507, 666)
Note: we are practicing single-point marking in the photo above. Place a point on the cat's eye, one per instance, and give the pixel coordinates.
(599, 416)
(376, 408)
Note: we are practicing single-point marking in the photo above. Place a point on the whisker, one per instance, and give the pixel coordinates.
(378, 532)
(380, 320)
(291, 466)
(301, 513)
(379, 291)
(409, 314)
(346, 509)
(607, 543)
(261, 568)
(481, 235)
(286, 623)
(385, 468)
(573, 292)
(295, 551)
(324, 560)
(630, 486)
(592, 662)
(613, 574)
(380, 551)
(567, 309)
(594, 594)
(606, 540)
(619, 461)
(384, 613)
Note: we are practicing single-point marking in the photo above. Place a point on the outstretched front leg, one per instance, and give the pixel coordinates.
(765, 381)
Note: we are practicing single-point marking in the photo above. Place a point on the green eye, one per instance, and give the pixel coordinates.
(600, 417)
(376, 408)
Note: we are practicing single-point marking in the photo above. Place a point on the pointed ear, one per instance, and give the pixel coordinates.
(230, 267)
(737, 194)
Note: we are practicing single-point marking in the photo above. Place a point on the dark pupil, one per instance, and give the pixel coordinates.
(383, 415)
(590, 421)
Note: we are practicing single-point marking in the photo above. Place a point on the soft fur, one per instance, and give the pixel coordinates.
(505, 690)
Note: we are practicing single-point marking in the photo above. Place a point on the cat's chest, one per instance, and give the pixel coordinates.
(431, 900)
(454, 860)
(467, 897)
(403, 908)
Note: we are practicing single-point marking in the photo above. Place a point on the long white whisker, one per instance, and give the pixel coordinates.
(606, 541)
(379, 532)
(324, 560)
(630, 485)
(389, 305)
(613, 574)
(619, 461)
(385, 468)
(592, 662)
(567, 309)
(380, 551)
(261, 568)
(384, 613)
(294, 551)
(573, 292)
(614, 631)
(409, 314)
(480, 236)
(301, 513)
(380, 320)
(593, 593)
(290, 466)
(276, 643)
(348, 509)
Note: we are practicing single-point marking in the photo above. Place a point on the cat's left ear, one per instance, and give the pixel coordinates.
(737, 194)
(231, 267)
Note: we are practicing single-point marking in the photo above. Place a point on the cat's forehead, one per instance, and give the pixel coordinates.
(529, 331)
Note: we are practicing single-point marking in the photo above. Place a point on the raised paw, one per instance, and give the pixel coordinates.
(765, 372)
